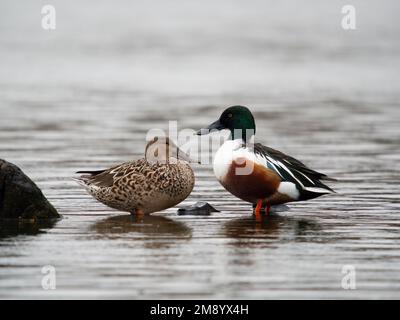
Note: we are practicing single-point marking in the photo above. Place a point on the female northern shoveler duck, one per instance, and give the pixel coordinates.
(161, 180)
(256, 173)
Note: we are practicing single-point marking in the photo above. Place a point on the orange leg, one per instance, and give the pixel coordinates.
(137, 212)
(258, 208)
(137, 215)
(267, 208)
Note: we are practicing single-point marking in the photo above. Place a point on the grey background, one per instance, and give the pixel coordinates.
(83, 97)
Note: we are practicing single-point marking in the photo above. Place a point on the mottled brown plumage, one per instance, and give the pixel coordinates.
(145, 185)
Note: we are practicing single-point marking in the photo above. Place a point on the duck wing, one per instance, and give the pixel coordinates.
(107, 177)
(293, 170)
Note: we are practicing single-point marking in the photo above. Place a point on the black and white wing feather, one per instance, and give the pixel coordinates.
(307, 181)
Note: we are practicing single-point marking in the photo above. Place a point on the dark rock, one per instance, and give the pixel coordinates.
(200, 208)
(20, 197)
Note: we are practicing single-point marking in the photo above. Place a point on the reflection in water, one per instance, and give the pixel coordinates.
(150, 226)
(10, 228)
(272, 228)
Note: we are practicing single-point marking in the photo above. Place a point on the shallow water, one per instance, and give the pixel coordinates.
(84, 96)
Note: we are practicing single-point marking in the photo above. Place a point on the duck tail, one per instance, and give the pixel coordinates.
(326, 178)
(81, 181)
(311, 192)
(93, 173)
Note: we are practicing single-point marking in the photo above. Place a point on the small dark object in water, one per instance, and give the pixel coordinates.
(20, 197)
(200, 208)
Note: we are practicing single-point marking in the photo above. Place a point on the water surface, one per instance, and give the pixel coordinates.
(84, 96)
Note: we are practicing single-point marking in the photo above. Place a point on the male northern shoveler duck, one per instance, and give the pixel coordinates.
(161, 180)
(256, 173)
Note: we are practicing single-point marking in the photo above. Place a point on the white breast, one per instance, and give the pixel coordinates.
(228, 152)
(222, 160)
